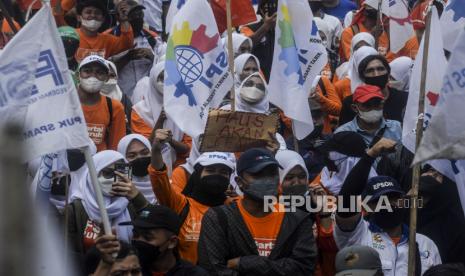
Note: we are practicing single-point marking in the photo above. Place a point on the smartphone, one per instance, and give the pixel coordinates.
(58, 187)
(123, 168)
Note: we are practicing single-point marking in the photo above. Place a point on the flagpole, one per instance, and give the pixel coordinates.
(230, 53)
(98, 190)
(416, 168)
(378, 24)
(8, 17)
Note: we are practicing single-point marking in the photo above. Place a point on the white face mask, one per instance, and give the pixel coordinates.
(105, 185)
(372, 116)
(252, 95)
(159, 86)
(91, 85)
(91, 25)
(109, 86)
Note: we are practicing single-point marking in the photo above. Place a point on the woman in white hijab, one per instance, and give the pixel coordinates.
(111, 88)
(241, 44)
(358, 56)
(150, 110)
(293, 175)
(244, 66)
(136, 149)
(359, 40)
(401, 70)
(121, 198)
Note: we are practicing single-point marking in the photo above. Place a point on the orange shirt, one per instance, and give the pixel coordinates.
(264, 230)
(105, 45)
(67, 5)
(179, 178)
(6, 27)
(190, 229)
(348, 34)
(343, 88)
(98, 119)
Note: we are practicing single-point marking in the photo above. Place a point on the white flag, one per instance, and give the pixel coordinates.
(299, 56)
(175, 6)
(452, 22)
(437, 64)
(445, 135)
(36, 89)
(196, 68)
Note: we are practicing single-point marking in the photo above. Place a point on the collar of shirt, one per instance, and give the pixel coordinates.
(403, 238)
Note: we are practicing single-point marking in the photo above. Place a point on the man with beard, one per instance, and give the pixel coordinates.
(384, 229)
(156, 239)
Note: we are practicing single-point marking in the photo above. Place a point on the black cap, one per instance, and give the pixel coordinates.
(91, 3)
(346, 142)
(254, 160)
(157, 216)
(381, 185)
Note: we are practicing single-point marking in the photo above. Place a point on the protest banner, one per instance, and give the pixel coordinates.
(229, 131)
(299, 56)
(196, 68)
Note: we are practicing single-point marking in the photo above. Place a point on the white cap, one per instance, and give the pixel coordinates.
(216, 157)
(92, 59)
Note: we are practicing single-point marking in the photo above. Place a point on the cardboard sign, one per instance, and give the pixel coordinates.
(229, 131)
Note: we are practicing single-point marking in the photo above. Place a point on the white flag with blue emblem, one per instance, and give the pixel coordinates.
(37, 91)
(452, 22)
(175, 6)
(196, 68)
(299, 56)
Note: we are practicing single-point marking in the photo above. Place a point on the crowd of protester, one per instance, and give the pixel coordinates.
(182, 212)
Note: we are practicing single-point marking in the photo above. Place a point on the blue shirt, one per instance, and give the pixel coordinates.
(393, 130)
(341, 9)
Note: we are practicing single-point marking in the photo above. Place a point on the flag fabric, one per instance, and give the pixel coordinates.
(437, 64)
(242, 13)
(196, 68)
(299, 56)
(400, 23)
(37, 91)
(175, 6)
(445, 135)
(452, 22)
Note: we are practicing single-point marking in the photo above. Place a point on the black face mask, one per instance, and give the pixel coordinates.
(371, 13)
(147, 253)
(380, 81)
(137, 25)
(139, 166)
(211, 190)
(76, 159)
(388, 220)
(295, 190)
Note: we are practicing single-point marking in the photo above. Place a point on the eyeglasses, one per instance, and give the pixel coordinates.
(132, 272)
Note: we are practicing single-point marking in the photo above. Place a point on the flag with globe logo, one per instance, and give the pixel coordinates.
(196, 68)
(299, 56)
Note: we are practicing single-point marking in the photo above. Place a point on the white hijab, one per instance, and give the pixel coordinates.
(288, 159)
(343, 70)
(358, 56)
(239, 64)
(116, 206)
(237, 40)
(143, 184)
(149, 109)
(323, 26)
(401, 70)
(116, 93)
(261, 107)
(333, 180)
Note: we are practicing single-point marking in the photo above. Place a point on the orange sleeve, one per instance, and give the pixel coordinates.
(287, 124)
(346, 40)
(67, 5)
(410, 49)
(179, 179)
(247, 31)
(6, 27)
(121, 43)
(118, 125)
(181, 158)
(163, 191)
(139, 126)
(331, 103)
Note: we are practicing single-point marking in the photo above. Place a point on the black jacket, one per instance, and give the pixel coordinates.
(184, 268)
(224, 235)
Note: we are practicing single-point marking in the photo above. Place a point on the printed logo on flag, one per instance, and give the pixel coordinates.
(19, 88)
(457, 8)
(184, 60)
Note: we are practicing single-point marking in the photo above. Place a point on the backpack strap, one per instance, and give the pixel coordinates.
(110, 111)
(378, 136)
(322, 87)
(184, 212)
